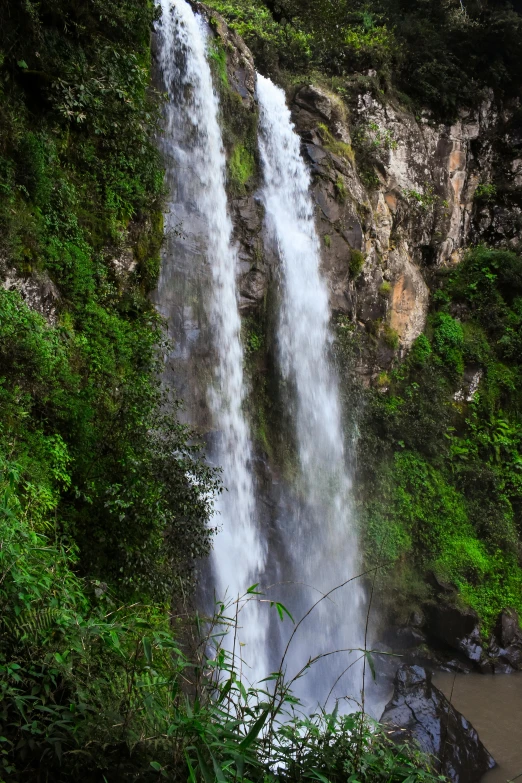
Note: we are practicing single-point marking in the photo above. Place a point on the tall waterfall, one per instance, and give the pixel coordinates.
(320, 532)
(196, 176)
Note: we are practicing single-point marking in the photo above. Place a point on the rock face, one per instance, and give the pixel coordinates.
(394, 196)
(37, 290)
(456, 628)
(418, 711)
(505, 647)
(447, 636)
(405, 201)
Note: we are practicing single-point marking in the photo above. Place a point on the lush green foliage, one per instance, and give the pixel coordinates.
(81, 202)
(104, 498)
(443, 55)
(99, 483)
(100, 690)
(442, 449)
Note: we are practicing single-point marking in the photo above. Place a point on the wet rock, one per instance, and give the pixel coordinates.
(312, 101)
(316, 100)
(252, 289)
(315, 153)
(419, 212)
(240, 63)
(457, 628)
(418, 711)
(439, 585)
(508, 636)
(507, 629)
(249, 213)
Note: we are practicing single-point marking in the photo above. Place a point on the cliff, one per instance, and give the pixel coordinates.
(401, 201)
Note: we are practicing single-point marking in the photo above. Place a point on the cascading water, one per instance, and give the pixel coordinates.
(320, 532)
(196, 170)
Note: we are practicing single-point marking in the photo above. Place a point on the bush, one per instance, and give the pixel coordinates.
(356, 263)
(448, 342)
(437, 55)
(391, 337)
(485, 192)
(104, 694)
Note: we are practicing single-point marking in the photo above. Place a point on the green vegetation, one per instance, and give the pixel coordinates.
(268, 39)
(239, 127)
(442, 449)
(391, 337)
(340, 189)
(218, 61)
(485, 192)
(423, 200)
(356, 263)
(440, 55)
(104, 499)
(337, 147)
(241, 168)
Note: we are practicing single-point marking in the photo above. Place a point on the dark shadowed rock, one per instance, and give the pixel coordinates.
(418, 711)
(457, 628)
(508, 637)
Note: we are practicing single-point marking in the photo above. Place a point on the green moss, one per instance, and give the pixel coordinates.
(340, 189)
(218, 60)
(327, 240)
(337, 147)
(241, 168)
(385, 289)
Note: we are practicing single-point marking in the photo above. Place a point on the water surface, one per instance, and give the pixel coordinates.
(493, 704)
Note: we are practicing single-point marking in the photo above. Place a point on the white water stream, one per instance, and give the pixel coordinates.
(316, 540)
(320, 532)
(197, 166)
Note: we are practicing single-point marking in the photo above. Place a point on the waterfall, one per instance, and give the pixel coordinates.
(320, 531)
(196, 173)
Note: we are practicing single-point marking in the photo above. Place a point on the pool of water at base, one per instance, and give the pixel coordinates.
(493, 704)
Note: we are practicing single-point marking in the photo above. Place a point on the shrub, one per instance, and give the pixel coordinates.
(356, 263)
(448, 342)
(420, 351)
(385, 289)
(391, 337)
(485, 192)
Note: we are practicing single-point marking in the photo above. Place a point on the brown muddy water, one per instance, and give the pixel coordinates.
(493, 704)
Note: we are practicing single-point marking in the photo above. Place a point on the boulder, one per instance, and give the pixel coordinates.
(37, 290)
(419, 712)
(459, 629)
(508, 635)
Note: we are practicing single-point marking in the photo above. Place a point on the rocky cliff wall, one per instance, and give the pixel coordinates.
(396, 196)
